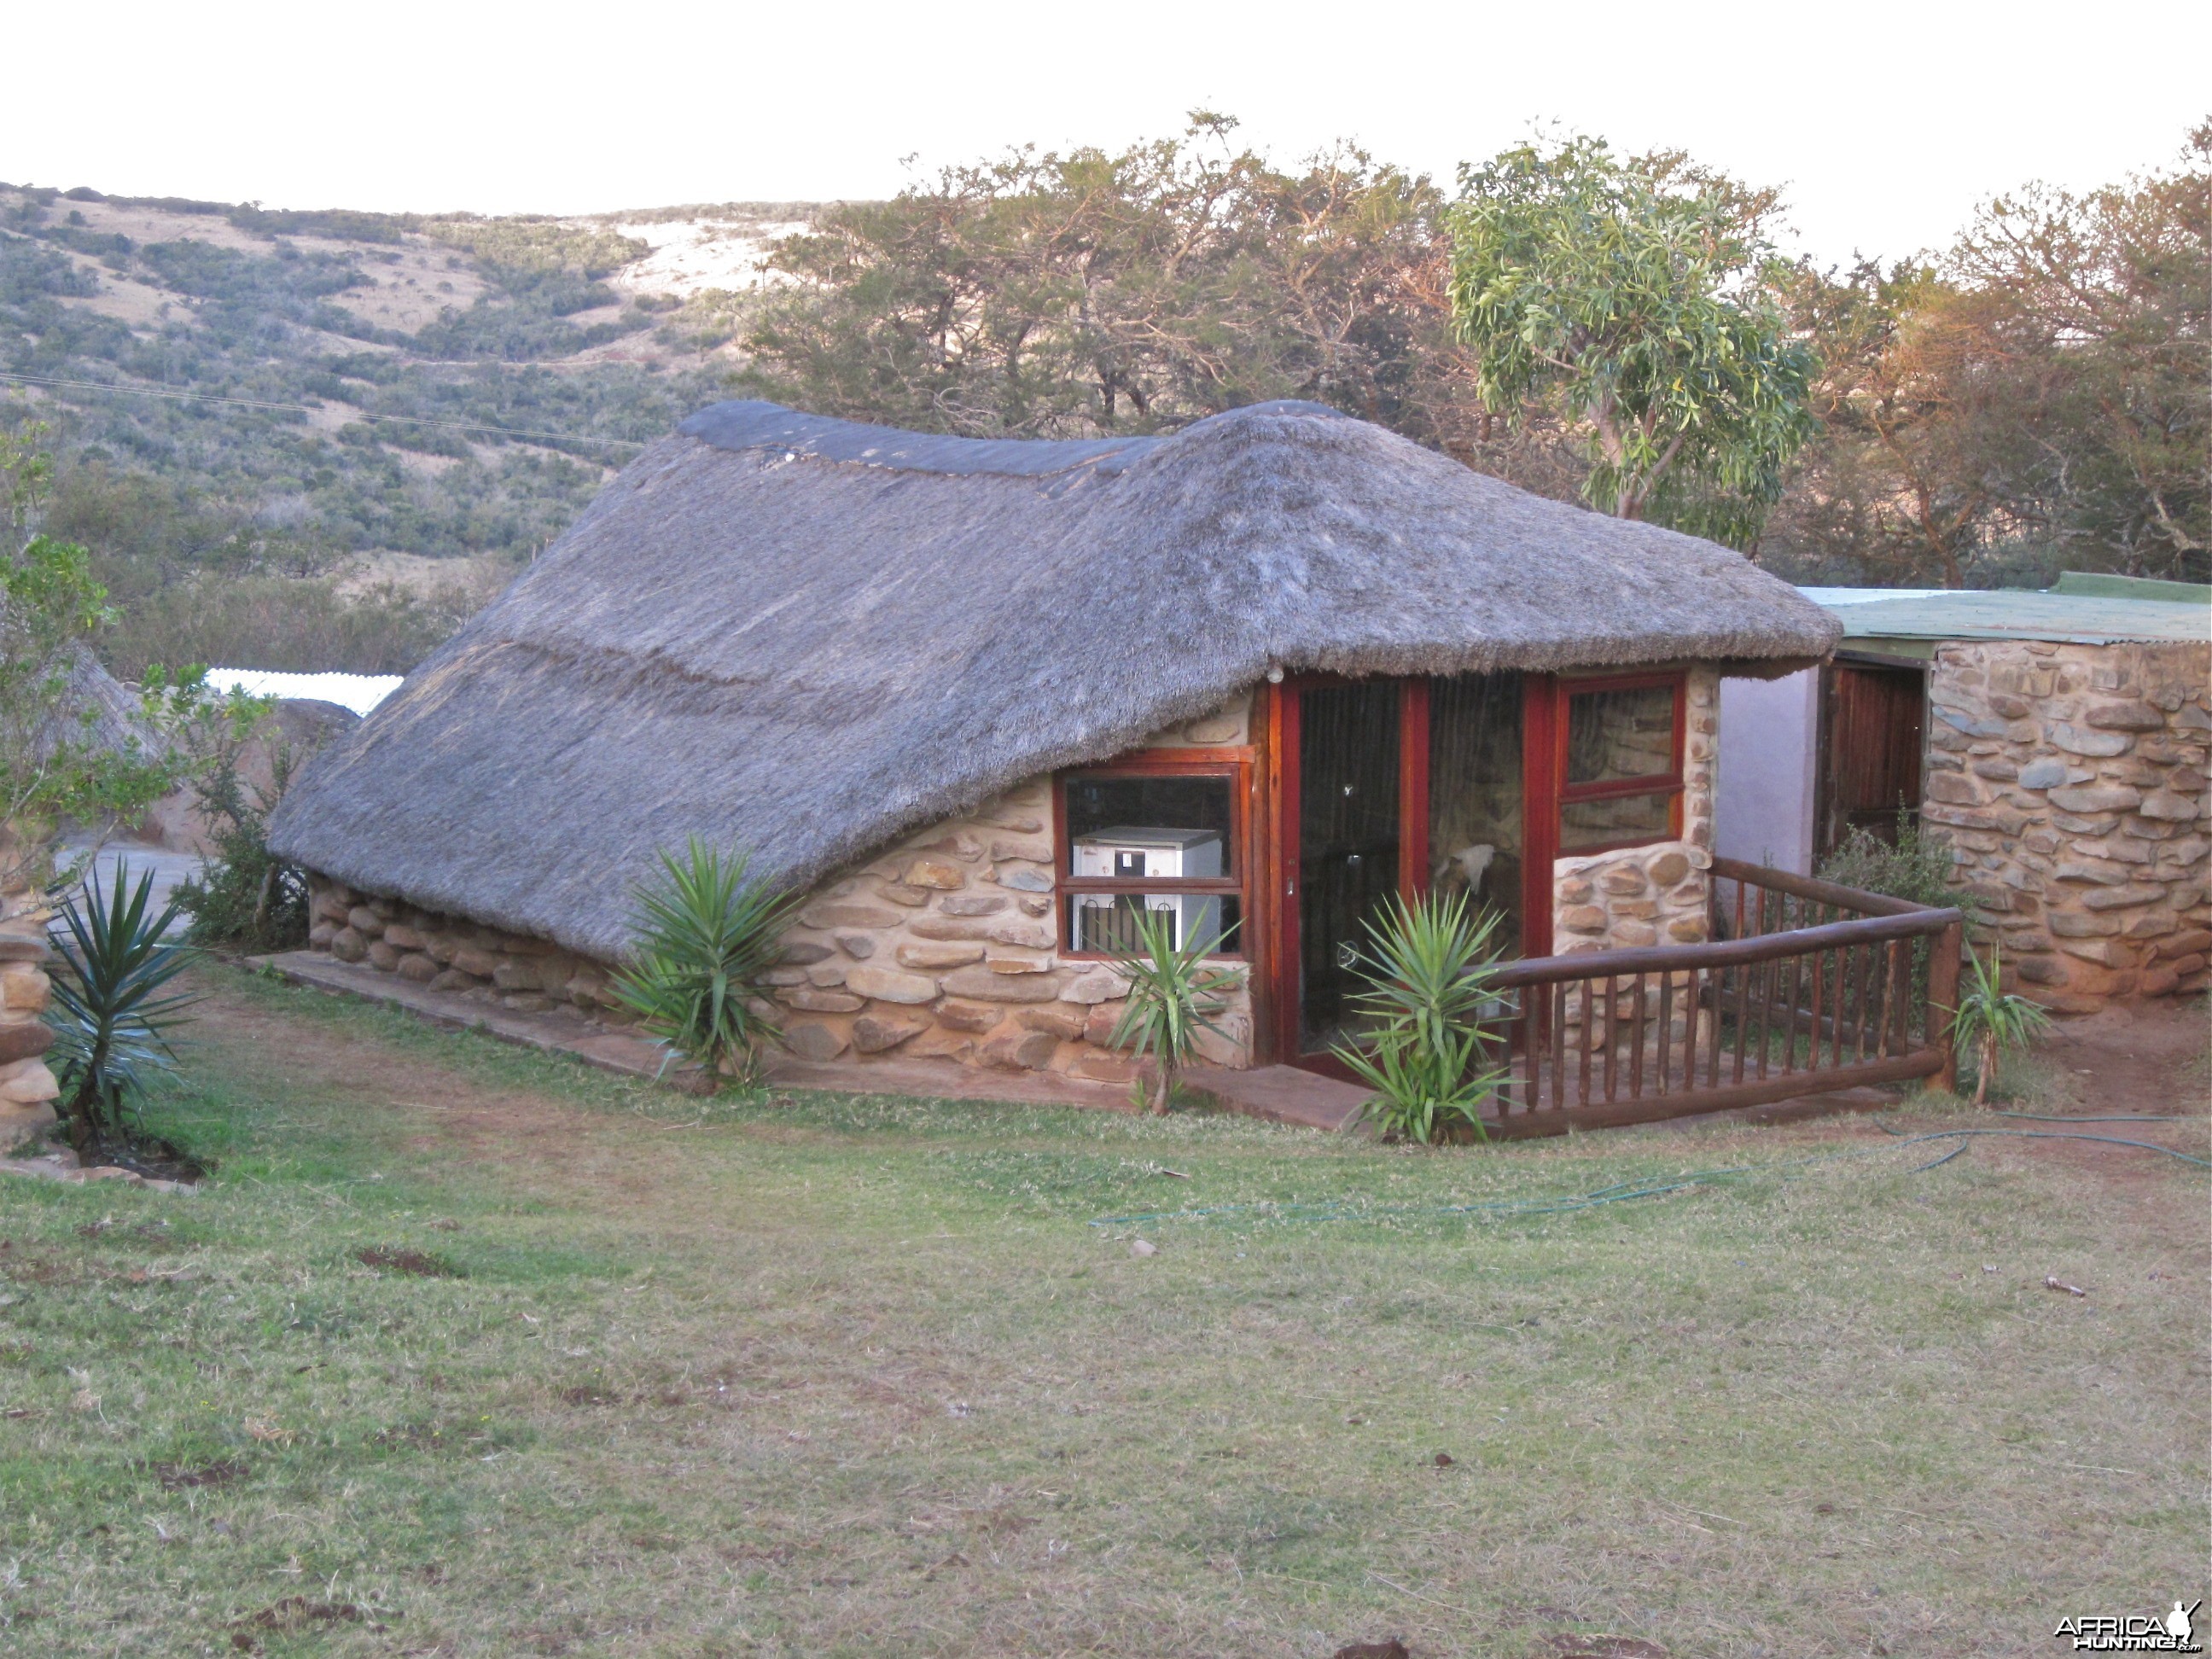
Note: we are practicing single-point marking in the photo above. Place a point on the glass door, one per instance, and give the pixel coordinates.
(1393, 785)
(1349, 831)
(1476, 844)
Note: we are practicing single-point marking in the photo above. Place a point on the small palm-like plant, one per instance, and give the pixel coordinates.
(706, 937)
(112, 1010)
(1990, 1020)
(1173, 996)
(1427, 965)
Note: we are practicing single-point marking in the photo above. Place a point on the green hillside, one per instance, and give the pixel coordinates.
(250, 411)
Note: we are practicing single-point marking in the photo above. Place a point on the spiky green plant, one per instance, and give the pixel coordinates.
(1989, 1020)
(1173, 996)
(706, 937)
(1427, 965)
(111, 1009)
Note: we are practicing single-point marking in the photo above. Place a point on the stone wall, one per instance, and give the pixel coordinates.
(486, 964)
(28, 1088)
(2069, 782)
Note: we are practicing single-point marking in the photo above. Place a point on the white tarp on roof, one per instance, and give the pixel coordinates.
(359, 692)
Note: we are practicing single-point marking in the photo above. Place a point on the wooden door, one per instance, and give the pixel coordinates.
(1872, 738)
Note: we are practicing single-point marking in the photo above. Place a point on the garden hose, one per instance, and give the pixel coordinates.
(2124, 1117)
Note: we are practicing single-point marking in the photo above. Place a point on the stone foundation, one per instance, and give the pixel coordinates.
(530, 975)
(2070, 783)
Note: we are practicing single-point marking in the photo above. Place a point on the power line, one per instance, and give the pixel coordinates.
(306, 408)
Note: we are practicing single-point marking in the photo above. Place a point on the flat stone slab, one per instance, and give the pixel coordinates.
(62, 1165)
(1281, 1094)
(609, 1051)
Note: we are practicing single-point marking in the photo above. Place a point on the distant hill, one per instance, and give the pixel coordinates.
(588, 335)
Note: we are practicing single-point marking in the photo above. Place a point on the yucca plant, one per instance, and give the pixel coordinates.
(1173, 996)
(1427, 965)
(112, 1011)
(706, 937)
(1989, 1020)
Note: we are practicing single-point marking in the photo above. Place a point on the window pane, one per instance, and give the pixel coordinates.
(1620, 734)
(1107, 922)
(1475, 796)
(1145, 826)
(1587, 824)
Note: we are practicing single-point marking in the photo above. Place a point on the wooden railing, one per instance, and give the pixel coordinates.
(1804, 988)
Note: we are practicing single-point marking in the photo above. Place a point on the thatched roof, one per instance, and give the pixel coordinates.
(807, 637)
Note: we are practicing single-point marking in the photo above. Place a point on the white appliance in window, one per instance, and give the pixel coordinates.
(1141, 852)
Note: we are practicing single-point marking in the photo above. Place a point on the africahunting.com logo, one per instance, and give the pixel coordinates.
(2134, 1633)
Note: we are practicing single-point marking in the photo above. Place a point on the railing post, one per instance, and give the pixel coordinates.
(1943, 1001)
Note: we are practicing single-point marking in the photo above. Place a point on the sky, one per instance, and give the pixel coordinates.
(1885, 123)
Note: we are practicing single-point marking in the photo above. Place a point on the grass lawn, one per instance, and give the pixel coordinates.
(828, 1376)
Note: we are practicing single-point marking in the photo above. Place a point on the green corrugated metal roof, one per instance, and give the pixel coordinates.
(2132, 587)
(2076, 618)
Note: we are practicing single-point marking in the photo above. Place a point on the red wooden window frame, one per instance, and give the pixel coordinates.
(1233, 764)
(1564, 794)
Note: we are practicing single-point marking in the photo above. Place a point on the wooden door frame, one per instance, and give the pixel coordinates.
(1275, 842)
(1824, 723)
(1276, 989)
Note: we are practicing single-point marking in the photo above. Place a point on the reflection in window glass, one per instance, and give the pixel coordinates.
(1584, 824)
(1620, 734)
(1107, 922)
(1474, 797)
(1154, 825)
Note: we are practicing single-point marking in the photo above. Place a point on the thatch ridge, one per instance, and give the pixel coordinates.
(810, 656)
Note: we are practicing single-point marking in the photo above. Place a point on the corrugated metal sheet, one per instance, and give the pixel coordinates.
(2011, 614)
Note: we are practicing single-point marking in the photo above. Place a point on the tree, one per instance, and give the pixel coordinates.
(2033, 401)
(1632, 298)
(74, 747)
(1076, 295)
(1932, 452)
(2112, 290)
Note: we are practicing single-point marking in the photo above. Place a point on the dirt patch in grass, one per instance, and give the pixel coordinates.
(140, 1235)
(29, 1265)
(422, 1437)
(294, 1613)
(416, 1264)
(182, 1476)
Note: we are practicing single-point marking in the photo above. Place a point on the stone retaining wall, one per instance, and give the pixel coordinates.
(28, 1088)
(2070, 782)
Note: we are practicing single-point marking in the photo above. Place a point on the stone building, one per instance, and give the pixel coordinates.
(981, 700)
(2057, 742)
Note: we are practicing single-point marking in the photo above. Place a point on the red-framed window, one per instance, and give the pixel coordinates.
(1162, 830)
(1618, 761)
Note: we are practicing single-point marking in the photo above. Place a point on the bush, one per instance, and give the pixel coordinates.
(112, 1012)
(1990, 1021)
(1427, 966)
(706, 938)
(1913, 866)
(1173, 996)
(245, 897)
